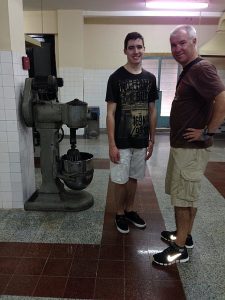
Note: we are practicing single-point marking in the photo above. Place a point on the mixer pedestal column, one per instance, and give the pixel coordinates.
(49, 153)
(52, 196)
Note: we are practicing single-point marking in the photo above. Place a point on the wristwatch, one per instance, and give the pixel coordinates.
(206, 132)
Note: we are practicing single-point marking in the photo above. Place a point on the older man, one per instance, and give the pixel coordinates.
(197, 111)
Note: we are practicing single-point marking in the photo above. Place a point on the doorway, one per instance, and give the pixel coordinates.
(42, 59)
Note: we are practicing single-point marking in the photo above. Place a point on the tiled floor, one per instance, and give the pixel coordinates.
(213, 173)
(82, 256)
(203, 275)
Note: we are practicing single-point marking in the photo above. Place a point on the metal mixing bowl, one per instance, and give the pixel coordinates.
(77, 175)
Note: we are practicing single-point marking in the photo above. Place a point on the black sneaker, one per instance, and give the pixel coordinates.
(171, 255)
(135, 219)
(170, 236)
(189, 242)
(121, 224)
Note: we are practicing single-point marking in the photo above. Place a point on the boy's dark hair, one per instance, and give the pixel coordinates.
(132, 36)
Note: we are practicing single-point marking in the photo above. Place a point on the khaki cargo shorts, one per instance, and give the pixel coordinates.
(132, 165)
(184, 173)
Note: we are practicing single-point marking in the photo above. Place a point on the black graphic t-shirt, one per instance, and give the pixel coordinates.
(132, 93)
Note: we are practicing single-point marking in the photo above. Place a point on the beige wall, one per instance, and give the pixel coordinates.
(11, 24)
(70, 38)
(40, 22)
(16, 24)
(4, 23)
(100, 46)
(103, 44)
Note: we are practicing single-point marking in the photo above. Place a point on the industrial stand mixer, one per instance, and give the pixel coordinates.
(42, 111)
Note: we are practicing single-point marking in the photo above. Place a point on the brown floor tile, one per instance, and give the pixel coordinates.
(50, 287)
(135, 234)
(138, 269)
(136, 237)
(110, 269)
(87, 251)
(63, 251)
(111, 208)
(162, 273)
(156, 243)
(30, 266)
(21, 285)
(4, 279)
(109, 221)
(8, 265)
(112, 237)
(168, 290)
(80, 288)
(150, 206)
(136, 252)
(155, 223)
(221, 189)
(12, 249)
(57, 267)
(112, 252)
(138, 289)
(215, 172)
(112, 288)
(38, 250)
(84, 268)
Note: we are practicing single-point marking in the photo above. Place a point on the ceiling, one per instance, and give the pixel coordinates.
(216, 6)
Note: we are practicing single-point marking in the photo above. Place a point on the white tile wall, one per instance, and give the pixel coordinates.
(9, 103)
(5, 56)
(73, 84)
(8, 92)
(14, 157)
(2, 114)
(7, 80)
(17, 179)
(2, 126)
(6, 201)
(95, 83)
(4, 167)
(4, 147)
(1, 103)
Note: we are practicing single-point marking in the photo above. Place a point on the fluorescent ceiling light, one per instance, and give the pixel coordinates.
(150, 13)
(175, 5)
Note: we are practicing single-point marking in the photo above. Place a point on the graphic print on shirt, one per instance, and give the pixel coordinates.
(134, 108)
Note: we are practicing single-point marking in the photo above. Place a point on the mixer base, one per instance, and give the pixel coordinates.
(65, 201)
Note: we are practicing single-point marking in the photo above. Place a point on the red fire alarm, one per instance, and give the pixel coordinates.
(26, 62)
